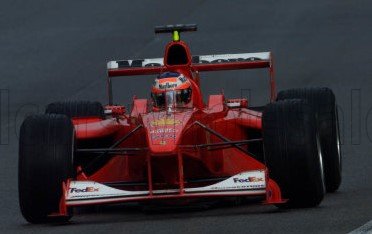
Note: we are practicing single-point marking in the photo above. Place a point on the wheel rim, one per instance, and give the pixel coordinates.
(338, 140)
(320, 156)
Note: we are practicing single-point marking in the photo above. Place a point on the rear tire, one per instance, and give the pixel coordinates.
(292, 152)
(323, 102)
(46, 149)
(76, 109)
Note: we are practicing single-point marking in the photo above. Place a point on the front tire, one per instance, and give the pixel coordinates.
(46, 149)
(323, 102)
(292, 152)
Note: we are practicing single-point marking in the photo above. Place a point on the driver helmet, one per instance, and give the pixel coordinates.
(171, 89)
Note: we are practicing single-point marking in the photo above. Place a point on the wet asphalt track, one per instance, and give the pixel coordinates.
(56, 50)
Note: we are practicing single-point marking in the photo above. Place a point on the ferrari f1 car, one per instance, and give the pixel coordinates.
(176, 146)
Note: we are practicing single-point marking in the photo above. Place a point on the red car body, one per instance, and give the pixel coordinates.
(155, 154)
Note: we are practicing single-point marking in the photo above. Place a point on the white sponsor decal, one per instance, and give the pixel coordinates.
(91, 189)
(220, 58)
(135, 63)
(233, 104)
(245, 180)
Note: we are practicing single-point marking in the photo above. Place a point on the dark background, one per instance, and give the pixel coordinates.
(57, 50)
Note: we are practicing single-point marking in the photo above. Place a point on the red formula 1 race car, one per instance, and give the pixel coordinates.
(178, 147)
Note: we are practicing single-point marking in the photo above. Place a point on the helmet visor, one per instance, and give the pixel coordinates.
(172, 98)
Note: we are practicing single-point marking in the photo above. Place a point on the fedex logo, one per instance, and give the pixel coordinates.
(86, 190)
(249, 179)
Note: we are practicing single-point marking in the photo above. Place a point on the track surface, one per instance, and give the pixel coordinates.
(56, 50)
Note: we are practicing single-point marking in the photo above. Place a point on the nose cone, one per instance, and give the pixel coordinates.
(164, 130)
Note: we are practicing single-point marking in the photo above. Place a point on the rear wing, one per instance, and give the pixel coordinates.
(199, 63)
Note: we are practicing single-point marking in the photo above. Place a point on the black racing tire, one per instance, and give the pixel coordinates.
(323, 101)
(292, 152)
(46, 151)
(76, 109)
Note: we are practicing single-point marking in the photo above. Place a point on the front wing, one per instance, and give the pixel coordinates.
(250, 183)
